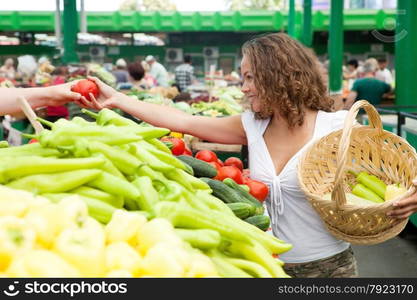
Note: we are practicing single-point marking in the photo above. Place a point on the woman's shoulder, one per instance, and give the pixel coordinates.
(251, 123)
(334, 120)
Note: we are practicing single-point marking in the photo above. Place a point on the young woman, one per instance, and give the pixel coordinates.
(289, 110)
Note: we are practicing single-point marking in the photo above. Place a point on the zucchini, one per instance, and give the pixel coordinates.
(244, 194)
(200, 168)
(260, 221)
(242, 210)
(222, 191)
(188, 168)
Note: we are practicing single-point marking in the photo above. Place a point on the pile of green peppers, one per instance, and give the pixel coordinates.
(115, 163)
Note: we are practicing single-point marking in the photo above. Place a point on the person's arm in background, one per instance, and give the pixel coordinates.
(227, 130)
(350, 99)
(36, 97)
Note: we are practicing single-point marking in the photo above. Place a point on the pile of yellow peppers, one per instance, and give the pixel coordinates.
(40, 238)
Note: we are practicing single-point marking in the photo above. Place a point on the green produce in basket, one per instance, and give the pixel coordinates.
(373, 183)
(362, 191)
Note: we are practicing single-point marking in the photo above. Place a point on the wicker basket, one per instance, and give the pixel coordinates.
(323, 169)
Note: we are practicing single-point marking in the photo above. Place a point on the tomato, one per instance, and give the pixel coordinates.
(220, 162)
(187, 151)
(178, 145)
(216, 165)
(246, 173)
(33, 141)
(234, 161)
(85, 87)
(230, 172)
(257, 189)
(206, 155)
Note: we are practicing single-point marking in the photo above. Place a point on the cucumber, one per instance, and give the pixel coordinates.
(200, 168)
(188, 168)
(244, 194)
(222, 191)
(260, 221)
(242, 210)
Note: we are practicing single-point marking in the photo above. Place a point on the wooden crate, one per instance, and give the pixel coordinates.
(197, 145)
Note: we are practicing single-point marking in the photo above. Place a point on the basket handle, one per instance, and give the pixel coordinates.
(342, 153)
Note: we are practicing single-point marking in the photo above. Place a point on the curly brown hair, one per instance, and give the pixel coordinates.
(287, 77)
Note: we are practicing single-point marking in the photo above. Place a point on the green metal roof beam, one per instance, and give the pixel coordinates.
(172, 21)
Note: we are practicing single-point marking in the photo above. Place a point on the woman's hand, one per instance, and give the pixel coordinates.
(405, 207)
(58, 95)
(106, 98)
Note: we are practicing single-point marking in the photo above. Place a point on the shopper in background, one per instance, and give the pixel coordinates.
(384, 74)
(136, 74)
(290, 109)
(7, 70)
(148, 79)
(368, 87)
(158, 71)
(351, 74)
(121, 74)
(184, 74)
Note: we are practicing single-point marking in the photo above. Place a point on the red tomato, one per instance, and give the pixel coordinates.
(85, 87)
(187, 151)
(234, 161)
(246, 173)
(216, 165)
(206, 155)
(178, 145)
(257, 189)
(33, 141)
(230, 172)
(220, 162)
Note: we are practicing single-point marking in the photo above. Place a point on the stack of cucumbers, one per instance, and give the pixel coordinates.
(239, 200)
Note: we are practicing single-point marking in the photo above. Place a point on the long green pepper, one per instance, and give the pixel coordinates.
(116, 201)
(55, 182)
(115, 186)
(149, 196)
(29, 165)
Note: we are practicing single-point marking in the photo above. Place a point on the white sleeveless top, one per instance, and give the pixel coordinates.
(292, 217)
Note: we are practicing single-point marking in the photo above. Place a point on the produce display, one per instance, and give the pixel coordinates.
(100, 72)
(122, 170)
(243, 195)
(225, 102)
(43, 238)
